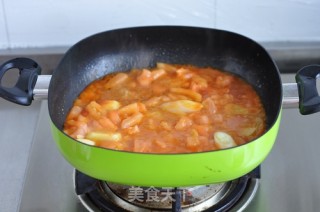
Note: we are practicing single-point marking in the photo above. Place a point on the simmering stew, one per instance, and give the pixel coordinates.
(167, 109)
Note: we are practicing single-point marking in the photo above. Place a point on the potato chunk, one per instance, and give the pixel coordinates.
(187, 92)
(131, 120)
(110, 105)
(86, 141)
(104, 136)
(118, 79)
(167, 67)
(223, 140)
(181, 107)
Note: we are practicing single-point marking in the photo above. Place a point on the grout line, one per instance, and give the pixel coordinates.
(6, 26)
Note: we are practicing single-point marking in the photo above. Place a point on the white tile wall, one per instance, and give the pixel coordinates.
(50, 23)
(4, 43)
(272, 20)
(46, 23)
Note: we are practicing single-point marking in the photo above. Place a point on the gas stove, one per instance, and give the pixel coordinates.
(235, 195)
(288, 182)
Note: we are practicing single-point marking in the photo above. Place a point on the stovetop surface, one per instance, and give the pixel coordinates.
(289, 176)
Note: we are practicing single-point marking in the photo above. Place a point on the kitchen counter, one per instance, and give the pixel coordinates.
(17, 131)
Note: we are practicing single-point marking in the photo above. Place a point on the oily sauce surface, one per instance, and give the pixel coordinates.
(167, 109)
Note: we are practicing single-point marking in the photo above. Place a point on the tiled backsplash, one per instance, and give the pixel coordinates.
(39, 23)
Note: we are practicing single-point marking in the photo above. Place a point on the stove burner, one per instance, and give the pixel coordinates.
(99, 195)
(155, 198)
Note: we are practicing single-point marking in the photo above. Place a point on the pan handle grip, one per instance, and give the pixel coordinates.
(22, 92)
(306, 79)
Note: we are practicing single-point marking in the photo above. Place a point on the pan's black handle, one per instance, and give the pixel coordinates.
(307, 87)
(22, 92)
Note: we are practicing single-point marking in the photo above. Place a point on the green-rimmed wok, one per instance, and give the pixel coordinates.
(124, 49)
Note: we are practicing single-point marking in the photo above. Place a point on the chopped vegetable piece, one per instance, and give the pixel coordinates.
(185, 73)
(132, 120)
(183, 123)
(181, 107)
(104, 136)
(74, 112)
(193, 140)
(86, 141)
(94, 109)
(145, 78)
(110, 105)
(187, 92)
(118, 79)
(167, 67)
(198, 83)
(129, 109)
(223, 140)
(247, 131)
(157, 73)
(114, 117)
(107, 124)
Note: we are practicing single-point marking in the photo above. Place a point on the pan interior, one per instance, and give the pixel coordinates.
(124, 49)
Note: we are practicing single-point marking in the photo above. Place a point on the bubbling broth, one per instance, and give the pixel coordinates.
(167, 109)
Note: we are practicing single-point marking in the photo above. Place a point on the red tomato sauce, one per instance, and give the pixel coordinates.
(167, 109)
